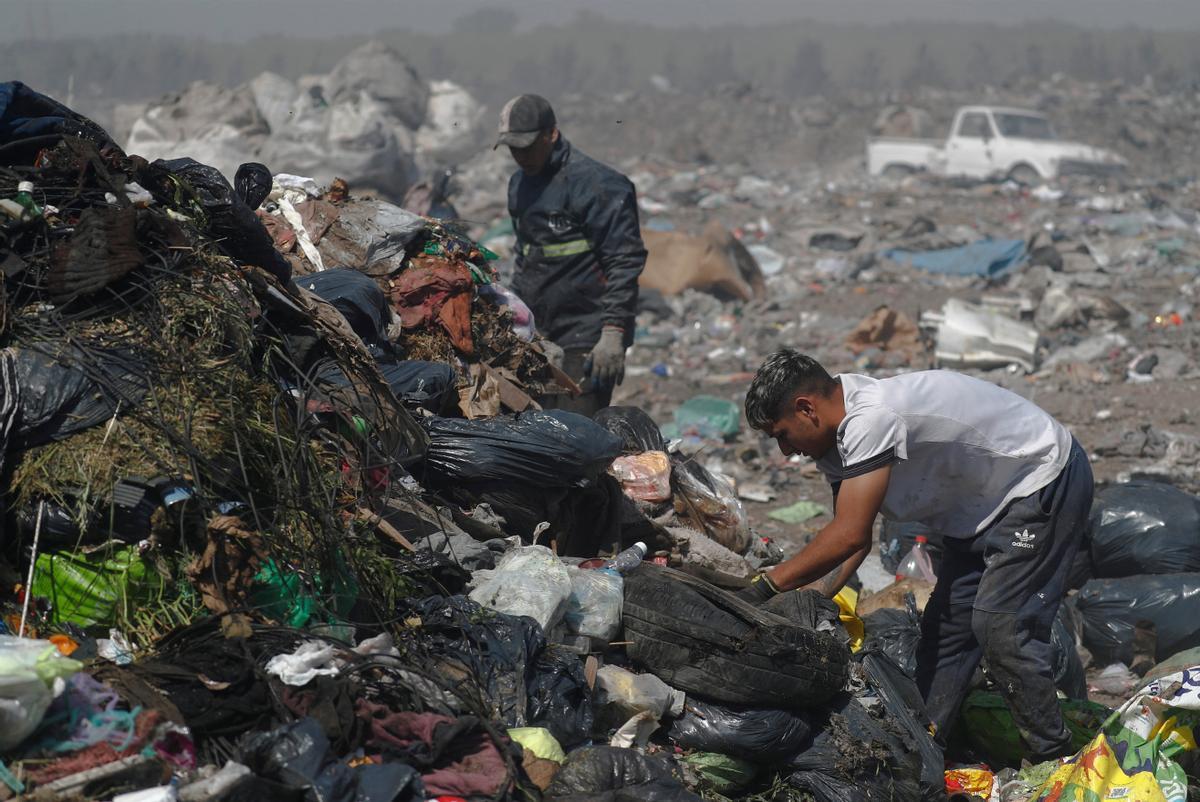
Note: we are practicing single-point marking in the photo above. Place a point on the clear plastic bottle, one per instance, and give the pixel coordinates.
(916, 563)
(629, 559)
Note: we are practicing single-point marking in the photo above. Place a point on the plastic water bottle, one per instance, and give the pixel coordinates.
(916, 563)
(629, 559)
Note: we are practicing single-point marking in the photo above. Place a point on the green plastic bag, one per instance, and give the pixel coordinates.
(707, 416)
(989, 726)
(281, 594)
(101, 588)
(799, 512)
(722, 773)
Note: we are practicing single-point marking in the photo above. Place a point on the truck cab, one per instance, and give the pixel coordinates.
(994, 142)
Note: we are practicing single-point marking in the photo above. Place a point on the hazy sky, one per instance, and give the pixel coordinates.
(243, 19)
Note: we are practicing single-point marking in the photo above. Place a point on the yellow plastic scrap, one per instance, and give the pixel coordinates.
(539, 741)
(847, 602)
(970, 781)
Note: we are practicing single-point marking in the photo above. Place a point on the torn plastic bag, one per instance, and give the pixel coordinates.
(1144, 528)
(760, 736)
(28, 670)
(710, 502)
(903, 704)
(875, 747)
(546, 449)
(644, 477)
(360, 300)
(895, 633)
(497, 652)
(233, 225)
(64, 390)
(527, 581)
(103, 587)
(371, 236)
(297, 756)
(594, 607)
(560, 699)
(611, 774)
(621, 694)
(637, 430)
(1113, 608)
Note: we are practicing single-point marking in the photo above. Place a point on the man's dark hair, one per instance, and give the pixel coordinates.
(781, 377)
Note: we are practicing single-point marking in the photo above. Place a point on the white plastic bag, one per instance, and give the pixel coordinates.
(32, 673)
(528, 580)
(594, 609)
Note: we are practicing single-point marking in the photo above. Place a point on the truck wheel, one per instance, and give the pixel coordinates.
(897, 172)
(1025, 175)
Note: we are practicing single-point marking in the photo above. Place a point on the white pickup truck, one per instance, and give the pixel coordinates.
(992, 142)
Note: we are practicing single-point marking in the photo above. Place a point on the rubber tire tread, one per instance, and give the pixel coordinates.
(710, 643)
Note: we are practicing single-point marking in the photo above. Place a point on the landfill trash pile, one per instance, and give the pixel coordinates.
(254, 547)
(290, 513)
(372, 121)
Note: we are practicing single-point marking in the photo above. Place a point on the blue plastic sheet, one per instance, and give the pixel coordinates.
(987, 257)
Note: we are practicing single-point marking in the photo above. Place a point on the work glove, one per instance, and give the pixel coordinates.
(606, 363)
(761, 589)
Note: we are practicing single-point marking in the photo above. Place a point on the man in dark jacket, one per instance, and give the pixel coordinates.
(579, 248)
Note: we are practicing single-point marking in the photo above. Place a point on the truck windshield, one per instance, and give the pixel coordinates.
(1024, 126)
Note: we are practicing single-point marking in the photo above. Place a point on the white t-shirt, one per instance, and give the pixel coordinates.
(960, 448)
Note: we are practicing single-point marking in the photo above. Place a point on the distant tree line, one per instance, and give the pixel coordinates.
(488, 54)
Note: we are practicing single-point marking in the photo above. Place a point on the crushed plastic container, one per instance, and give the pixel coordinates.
(594, 607)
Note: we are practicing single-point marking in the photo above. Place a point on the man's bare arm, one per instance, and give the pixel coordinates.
(829, 585)
(847, 536)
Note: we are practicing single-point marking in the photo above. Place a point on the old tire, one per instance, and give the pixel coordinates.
(710, 643)
(1025, 175)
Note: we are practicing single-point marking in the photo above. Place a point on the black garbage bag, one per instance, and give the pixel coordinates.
(416, 384)
(1070, 677)
(297, 757)
(544, 449)
(560, 699)
(499, 653)
(901, 700)
(31, 121)
(1144, 528)
(610, 774)
(357, 297)
(895, 633)
(233, 224)
(253, 183)
(875, 747)
(1112, 609)
(759, 736)
(585, 520)
(64, 389)
(637, 430)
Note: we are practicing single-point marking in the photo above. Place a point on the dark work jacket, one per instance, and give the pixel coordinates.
(579, 247)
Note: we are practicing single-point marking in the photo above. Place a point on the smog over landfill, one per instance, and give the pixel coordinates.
(662, 401)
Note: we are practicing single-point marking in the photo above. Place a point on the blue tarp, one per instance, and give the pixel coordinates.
(987, 257)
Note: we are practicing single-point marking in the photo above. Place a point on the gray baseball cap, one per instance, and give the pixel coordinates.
(522, 119)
